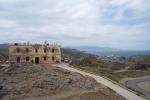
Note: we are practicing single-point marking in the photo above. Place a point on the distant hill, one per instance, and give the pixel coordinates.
(139, 59)
(92, 49)
(75, 54)
(4, 51)
(4, 46)
(109, 51)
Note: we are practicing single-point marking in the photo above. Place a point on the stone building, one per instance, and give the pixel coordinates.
(34, 53)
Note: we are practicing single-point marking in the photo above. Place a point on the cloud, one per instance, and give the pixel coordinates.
(115, 23)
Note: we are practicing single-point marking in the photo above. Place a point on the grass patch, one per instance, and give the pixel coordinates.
(134, 73)
(109, 73)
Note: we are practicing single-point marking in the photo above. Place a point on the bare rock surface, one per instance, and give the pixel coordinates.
(45, 82)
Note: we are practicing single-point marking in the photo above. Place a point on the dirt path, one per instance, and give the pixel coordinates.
(123, 92)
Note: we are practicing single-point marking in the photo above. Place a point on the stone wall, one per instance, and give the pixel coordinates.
(34, 53)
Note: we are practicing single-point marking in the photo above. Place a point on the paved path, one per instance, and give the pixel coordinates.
(125, 93)
(134, 84)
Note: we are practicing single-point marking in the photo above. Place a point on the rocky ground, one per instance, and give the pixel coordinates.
(44, 82)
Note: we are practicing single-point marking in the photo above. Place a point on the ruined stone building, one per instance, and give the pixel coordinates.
(34, 53)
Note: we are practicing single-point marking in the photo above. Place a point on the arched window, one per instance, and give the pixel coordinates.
(27, 58)
(53, 58)
(18, 59)
(45, 50)
(27, 50)
(18, 50)
(36, 50)
(53, 50)
(45, 58)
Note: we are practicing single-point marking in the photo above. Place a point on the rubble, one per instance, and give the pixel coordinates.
(39, 81)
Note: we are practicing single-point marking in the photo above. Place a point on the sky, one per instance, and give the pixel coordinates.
(123, 24)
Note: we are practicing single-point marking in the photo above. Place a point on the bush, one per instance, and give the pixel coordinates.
(87, 61)
(140, 66)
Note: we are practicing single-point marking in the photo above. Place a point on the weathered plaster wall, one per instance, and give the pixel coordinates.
(22, 54)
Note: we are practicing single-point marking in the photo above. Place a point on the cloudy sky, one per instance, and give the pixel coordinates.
(123, 24)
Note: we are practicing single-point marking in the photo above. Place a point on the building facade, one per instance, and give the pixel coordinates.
(34, 53)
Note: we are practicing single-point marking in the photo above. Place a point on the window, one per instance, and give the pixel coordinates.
(18, 50)
(36, 50)
(45, 58)
(45, 50)
(18, 59)
(53, 49)
(27, 50)
(53, 58)
(27, 58)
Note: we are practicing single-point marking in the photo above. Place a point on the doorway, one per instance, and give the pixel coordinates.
(18, 59)
(36, 60)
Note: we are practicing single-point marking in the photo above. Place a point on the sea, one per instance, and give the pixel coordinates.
(123, 53)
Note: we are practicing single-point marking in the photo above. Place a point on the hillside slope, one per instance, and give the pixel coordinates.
(4, 51)
(42, 82)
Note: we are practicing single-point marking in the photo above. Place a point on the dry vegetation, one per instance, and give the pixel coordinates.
(137, 68)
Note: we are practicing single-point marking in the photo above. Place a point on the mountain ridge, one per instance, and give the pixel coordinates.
(109, 51)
